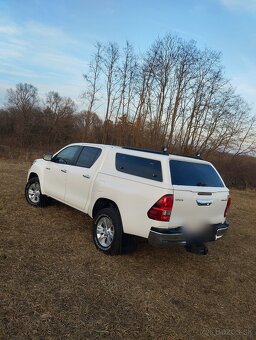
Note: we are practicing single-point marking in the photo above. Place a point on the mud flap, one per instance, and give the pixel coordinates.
(199, 249)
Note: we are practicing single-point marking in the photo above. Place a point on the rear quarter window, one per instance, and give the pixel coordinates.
(194, 174)
(139, 166)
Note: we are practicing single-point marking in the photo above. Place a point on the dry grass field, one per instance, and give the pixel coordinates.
(54, 284)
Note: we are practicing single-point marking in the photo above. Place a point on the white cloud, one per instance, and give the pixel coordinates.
(4, 53)
(63, 62)
(245, 81)
(11, 29)
(17, 71)
(3, 87)
(247, 5)
(246, 88)
(45, 56)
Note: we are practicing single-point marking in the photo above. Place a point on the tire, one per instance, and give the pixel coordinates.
(108, 231)
(33, 193)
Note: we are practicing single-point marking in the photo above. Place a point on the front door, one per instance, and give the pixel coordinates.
(56, 171)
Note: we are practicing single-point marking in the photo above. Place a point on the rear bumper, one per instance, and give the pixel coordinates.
(158, 236)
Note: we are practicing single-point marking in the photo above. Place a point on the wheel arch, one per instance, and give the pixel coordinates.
(36, 174)
(33, 175)
(102, 203)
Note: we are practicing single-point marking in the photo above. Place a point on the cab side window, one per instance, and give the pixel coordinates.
(88, 156)
(67, 155)
(139, 166)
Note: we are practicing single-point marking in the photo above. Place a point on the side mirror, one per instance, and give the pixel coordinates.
(47, 157)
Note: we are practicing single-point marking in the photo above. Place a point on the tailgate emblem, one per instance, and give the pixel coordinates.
(202, 201)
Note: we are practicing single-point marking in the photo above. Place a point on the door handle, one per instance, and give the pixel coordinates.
(48, 168)
(65, 171)
(205, 202)
(86, 176)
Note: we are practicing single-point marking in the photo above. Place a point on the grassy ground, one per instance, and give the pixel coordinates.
(54, 284)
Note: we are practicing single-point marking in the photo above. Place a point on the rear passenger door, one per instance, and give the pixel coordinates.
(80, 177)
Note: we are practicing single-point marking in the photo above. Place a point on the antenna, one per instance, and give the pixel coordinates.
(164, 149)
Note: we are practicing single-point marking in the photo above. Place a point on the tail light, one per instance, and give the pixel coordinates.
(227, 206)
(161, 210)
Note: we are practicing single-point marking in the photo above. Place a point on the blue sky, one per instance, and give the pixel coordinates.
(48, 43)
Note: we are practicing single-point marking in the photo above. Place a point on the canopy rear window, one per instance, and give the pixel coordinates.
(194, 174)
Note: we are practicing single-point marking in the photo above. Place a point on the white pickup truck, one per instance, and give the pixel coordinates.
(128, 191)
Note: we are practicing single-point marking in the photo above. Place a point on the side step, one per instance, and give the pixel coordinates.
(199, 249)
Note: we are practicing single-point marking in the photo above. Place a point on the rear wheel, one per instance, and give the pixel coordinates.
(108, 231)
(108, 235)
(33, 193)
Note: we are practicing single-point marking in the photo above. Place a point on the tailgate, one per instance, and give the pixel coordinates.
(200, 195)
(195, 209)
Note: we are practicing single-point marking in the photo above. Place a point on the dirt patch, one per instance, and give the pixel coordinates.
(54, 284)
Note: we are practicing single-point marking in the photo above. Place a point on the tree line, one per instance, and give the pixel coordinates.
(174, 94)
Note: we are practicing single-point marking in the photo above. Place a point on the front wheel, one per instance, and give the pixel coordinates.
(33, 193)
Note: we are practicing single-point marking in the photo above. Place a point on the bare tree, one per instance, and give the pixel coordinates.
(92, 79)
(24, 97)
(59, 116)
(90, 125)
(110, 69)
(21, 103)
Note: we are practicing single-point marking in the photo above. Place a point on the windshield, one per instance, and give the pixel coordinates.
(194, 174)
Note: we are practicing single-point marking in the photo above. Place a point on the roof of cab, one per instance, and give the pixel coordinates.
(145, 152)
